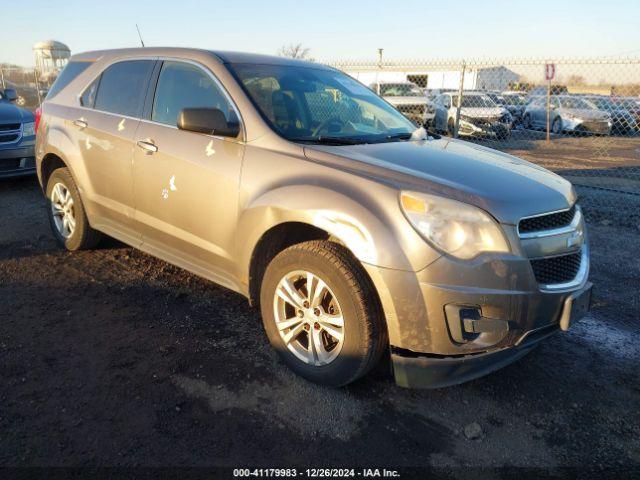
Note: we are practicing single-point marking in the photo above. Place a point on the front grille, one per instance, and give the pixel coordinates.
(9, 138)
(560, 269)
(9, 126)
(12, 164)
(547, 222)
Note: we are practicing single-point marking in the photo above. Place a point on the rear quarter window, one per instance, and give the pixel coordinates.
(68, 74)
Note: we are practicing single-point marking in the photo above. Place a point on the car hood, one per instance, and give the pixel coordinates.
(506, 186)
(9, 113)
(585, 114)
(477, 112)
(406, 100)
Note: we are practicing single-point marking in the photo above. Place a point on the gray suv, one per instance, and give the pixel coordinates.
(357, 235)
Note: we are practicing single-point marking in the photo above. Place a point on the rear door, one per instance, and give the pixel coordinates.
(187, 184)
(111, 109)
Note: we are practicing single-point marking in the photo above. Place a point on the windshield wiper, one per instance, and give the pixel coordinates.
(324, 140)
(399, 136)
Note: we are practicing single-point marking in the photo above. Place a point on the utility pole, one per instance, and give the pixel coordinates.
(459, 103)
(380, 50)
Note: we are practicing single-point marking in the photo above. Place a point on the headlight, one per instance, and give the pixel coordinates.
(454, 227)
(29, 129)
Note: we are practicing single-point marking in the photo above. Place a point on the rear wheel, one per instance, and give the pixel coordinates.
(526, 121)
(556, 126)
(66, 213)
(321, 313)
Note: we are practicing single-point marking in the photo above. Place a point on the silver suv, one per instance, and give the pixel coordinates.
(289, 182)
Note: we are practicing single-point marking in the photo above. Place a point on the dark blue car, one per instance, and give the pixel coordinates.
(17, 137)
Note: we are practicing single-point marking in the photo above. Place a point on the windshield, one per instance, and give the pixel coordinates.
(474, 101)
(574, 102)
(400, 90)
(313, 104)
(604, 103)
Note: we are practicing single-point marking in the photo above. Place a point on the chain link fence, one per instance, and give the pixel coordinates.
(577, 117)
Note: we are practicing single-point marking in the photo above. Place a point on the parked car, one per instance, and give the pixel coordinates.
(630, 104)
(17, 137)
(622, 120)
(479, 116)
(407, 97)
(515, 103)
(566, 114)
(26, 95)
(542, 90)
(293, 184)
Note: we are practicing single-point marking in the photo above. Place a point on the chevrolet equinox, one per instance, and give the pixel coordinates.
(357, 235)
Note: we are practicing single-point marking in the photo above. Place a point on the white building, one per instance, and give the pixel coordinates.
(434, 77)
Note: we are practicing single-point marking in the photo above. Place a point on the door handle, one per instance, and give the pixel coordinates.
(148, 146)
(80, 123)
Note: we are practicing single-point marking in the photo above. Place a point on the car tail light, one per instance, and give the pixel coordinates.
(38, 116)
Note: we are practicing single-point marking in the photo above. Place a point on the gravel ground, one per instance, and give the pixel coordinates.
(114, 358)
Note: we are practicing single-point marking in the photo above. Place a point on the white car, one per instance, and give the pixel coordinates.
(479, 115)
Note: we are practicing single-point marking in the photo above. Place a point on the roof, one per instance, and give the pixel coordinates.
(222, 56)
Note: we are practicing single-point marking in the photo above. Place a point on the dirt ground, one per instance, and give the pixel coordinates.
(113, 358)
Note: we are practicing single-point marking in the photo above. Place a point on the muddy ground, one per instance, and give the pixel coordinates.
(113, 358)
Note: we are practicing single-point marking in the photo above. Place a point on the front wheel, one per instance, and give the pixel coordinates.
(321, 313)
(556, 126)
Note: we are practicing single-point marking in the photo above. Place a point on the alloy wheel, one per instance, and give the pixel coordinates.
(308, 318)
(62, 210)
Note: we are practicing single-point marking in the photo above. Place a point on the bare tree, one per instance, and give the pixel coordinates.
(295, 50)
(576, 80)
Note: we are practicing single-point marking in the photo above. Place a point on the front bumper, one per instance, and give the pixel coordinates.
(598, 127)
(17, 161)
(458, 320)
(413, 370)
(479, 128)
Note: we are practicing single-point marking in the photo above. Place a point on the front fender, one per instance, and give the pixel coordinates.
(365, 228)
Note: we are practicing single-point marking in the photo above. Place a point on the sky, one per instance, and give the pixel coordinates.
(333, 30)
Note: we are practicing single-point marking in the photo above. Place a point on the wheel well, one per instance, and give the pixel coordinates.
(273, 242)
(50, 162)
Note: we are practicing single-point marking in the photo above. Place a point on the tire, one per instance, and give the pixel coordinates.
(526, 121)
(556, 126)
(364, 336)
(81, 236)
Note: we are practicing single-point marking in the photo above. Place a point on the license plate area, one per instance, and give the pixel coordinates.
(576, 306)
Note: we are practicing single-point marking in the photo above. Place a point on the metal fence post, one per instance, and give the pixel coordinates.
(2, 77)
(459, 103)
(35, 76)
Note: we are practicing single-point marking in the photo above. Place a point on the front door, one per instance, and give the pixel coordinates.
(187, 184)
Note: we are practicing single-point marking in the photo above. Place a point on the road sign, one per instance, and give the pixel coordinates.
(549, 71)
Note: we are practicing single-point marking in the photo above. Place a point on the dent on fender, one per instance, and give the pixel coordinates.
(351, 231)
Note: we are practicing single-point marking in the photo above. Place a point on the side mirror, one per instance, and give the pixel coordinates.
(10, 94)
(210, 121)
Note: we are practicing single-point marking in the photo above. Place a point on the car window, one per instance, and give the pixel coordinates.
(554, 103)
(183, 85)
(88, 97)
(68, 74)
(122, 87)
